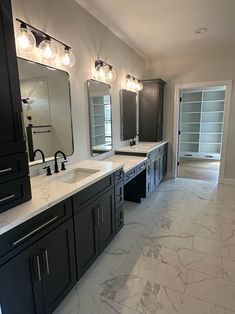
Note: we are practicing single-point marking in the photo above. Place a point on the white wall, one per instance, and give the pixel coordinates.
(210, 66)
(89, 39)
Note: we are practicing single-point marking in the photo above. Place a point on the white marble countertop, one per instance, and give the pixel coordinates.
(50, 190)
(141, 147)
(129, 162)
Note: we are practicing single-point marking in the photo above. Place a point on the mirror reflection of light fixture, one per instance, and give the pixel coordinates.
(133, 84)
(25, 39)
(30, 37)
(104, 71)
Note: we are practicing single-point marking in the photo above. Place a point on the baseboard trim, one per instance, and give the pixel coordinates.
(227, 181)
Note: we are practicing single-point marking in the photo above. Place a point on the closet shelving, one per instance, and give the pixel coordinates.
(202, 114)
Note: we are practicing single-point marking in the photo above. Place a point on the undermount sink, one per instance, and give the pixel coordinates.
(76, 175)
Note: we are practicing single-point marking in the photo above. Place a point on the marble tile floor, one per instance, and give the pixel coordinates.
(175, 254)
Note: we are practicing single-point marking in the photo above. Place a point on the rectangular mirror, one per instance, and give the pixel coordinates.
(128, 114)
(45, 96)
(100, 117)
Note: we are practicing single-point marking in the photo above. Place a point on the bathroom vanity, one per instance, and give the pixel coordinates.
(81, 210)
(155, 162)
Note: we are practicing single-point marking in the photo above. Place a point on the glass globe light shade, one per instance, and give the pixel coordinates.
(111, 75)
(48, 49)
(68, 58)
(128, 83)
(141, 86)
(25, 39)
(101, 72)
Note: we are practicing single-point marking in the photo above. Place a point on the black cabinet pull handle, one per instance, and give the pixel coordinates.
(7, 198)
(5, 170)
(96, 214)
(47, 261)
(38, 268)
(101, 213)
(34, 231)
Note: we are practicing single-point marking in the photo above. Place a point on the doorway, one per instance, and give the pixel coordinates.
(201, 126)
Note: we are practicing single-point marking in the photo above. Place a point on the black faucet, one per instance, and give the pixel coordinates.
(56, 164)
(41, 152)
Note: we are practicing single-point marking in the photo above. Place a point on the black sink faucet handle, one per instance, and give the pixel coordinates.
(48, 168)
(63, 165)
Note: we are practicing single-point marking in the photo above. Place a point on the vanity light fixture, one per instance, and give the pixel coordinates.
(25, 39)
(30, 37)
(105, 72)
(133, 84)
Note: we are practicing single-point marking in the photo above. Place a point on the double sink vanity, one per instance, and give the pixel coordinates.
(49, 242)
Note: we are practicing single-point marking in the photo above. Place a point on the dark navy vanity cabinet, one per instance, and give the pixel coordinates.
(42, 259)
(14, 180)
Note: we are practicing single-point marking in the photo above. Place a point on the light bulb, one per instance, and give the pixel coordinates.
(133, 84)
(101, 72)
(48, 49)
(141, 86)
(111, 74)
(128, 83)
(26, 39)
(68, 58)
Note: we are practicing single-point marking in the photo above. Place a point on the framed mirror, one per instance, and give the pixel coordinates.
(128, 114)
(100, 117)
(45, 96)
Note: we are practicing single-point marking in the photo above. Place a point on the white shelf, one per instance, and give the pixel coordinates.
(201, 123)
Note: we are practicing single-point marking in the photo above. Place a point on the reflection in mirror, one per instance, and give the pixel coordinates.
(100, 117)
(45, 96)
(128, 114)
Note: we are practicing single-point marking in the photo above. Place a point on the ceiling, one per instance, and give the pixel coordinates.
(161, 28)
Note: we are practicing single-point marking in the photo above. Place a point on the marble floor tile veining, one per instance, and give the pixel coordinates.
(175, 255)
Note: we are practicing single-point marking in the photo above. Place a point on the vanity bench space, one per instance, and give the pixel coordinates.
(82, 217)
(155, 155)
(135, 176)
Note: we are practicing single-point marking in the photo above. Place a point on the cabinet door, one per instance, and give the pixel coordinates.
(86, 237)
(11, 108)
(157, 170)
(106, 218)
(20, 284)
(58, 264)
(148, 112)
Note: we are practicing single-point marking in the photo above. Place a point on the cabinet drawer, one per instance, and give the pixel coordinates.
(141, 167)
(119, 194)
(90, 192)
(14, 193)
(119, 218)
(118, 176)
(26, 233)
(130, 175)
(13, 167)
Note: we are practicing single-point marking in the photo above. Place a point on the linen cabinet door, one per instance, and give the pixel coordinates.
(20, 284)
(86, 237)
(11, 130)
(57, 254)
(106, 218)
